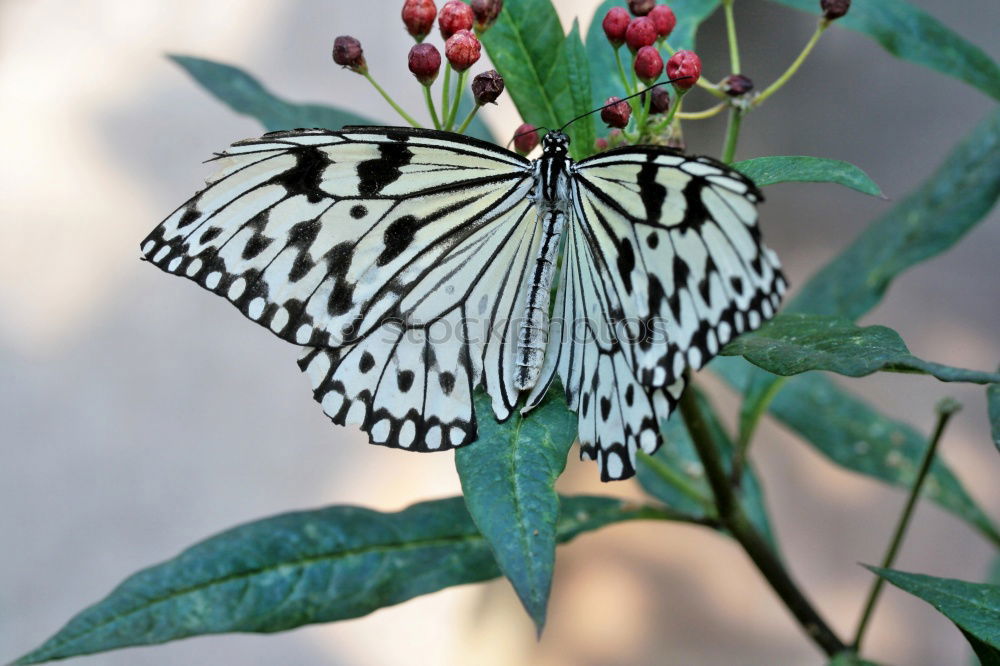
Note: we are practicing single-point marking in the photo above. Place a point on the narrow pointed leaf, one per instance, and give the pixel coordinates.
(973, 607)
(800, 169)
(912, 34)
(246, 95)
(851, 433)
(604, 72)
(928, 222)
(508, 477)
(300, 568)
(574, 60)
(674, 474)
(791, 344)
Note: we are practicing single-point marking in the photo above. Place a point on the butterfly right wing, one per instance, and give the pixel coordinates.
(359, 245)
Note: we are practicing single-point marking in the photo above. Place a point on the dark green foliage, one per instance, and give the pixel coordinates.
(800, 169)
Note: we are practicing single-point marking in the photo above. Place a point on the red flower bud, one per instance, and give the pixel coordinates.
(462, 49)
(487, 86)
(664, 20)
(424, 62)
(684, 65)
(834, 9)
(648, 64)
(347, 53)
(640, 32)
(485, 13)
(454, 16)
(735, 85)
(525, 139)
(660, 102)
(600, 145)
(640, 7)
(615, 22)
(418, 17)
(616, 115)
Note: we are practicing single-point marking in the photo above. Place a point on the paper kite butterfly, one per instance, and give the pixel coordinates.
(414, 266)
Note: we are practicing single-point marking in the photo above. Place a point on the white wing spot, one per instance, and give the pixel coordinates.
(303, 334)
(433, 437)
(456, 435)
(407, 433)
(318, 367)
(614, 465)
(754, 319)
(162, 252)
(381, 430)
(356, 414)
(332, 402)
(256, 308)
(279, 320)
(148, 247)
(174, 263)
(694, 357)
(237, 288)
(647, 441)
(193, 268)
(213, 279)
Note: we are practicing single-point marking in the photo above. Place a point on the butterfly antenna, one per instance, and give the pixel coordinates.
(641, 92)
(531, 131)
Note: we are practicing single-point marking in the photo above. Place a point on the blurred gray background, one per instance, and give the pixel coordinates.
(141, 414)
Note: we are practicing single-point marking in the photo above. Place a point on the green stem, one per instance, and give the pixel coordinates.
(468, 119)
(644, 113)
(392, 103)
(734, 519)
(673, 111)
(621, 71)
(460, 84)
(732, 135)
(702, 115)
(748, 425)
(794, 67)
(734, 51)
(945, 410)
(677, 480)
(444, 94)
(430, 107)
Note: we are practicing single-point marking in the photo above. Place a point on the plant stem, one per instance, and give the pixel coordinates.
(677, 480)
(392, 103)
(444, 95)
(945, 410)
(430, 107)
(673, 111)
(794, 67)
(707, 113)
(734, 50)
(621, 71)
(734, 519)
(748, 424)
(457, 97)
(468, 119)
(732, 135)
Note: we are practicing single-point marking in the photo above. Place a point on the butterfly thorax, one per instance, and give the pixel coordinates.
(552, 199)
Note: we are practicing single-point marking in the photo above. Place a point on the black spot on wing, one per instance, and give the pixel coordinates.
(307, 174)
(653, 193)
(375, 174)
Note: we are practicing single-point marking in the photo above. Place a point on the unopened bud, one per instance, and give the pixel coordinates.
(735, 85)
(640, 7)
(462, 50)
(487, 86)
(425, 62)
(640, 32)
(686, 66)
(664, 20)
(525, 139)
(600, 145)
(418, 17)
(615, 23)
(485, 13)
(455, 15)
(616, 114)
(834, 9)
(648, 64)
(347, 52)
(660, 103)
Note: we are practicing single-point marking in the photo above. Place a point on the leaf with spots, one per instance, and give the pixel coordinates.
(973, 607)
(791, 344)
(508, 477)
(301, 568)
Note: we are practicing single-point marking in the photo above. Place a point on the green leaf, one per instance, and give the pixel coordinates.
(299, 568)
(973, 607)
(912, 34)
(604, 71)
(851, 433)
(800, 169)
(244, 94)
(791, 344)
(674, 474)
(993, 408)
(508, 477)
(573, 57)
(526, 47)
(929, 221)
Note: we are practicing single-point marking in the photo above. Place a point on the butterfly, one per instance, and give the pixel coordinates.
(414, 267)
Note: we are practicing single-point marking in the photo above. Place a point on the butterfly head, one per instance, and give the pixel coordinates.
(555, 143)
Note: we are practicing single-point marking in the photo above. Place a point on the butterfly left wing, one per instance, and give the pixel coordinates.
(664, 264)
